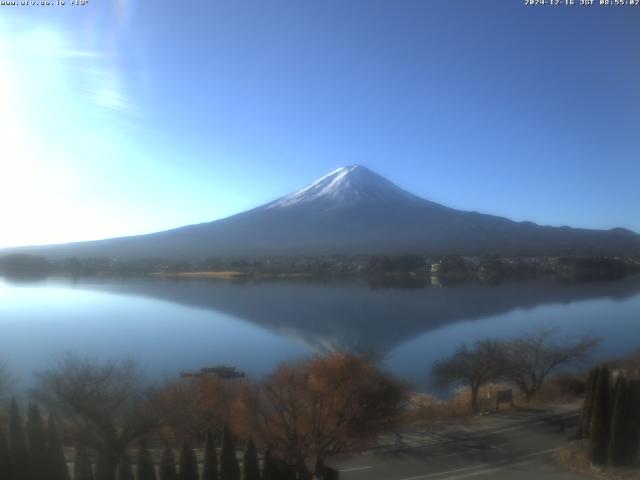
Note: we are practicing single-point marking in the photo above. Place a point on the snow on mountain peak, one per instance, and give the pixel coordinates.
(346, 185)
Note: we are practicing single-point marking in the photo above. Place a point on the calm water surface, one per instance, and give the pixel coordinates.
(169, 325)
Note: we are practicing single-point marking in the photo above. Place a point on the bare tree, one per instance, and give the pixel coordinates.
(485, 362)
(534, 356)
(321, 407)
(105, 406)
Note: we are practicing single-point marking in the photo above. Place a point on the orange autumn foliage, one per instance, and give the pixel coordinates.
(323, 406)
(193, 406)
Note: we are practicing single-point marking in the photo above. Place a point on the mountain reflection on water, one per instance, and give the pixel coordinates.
(411, 326)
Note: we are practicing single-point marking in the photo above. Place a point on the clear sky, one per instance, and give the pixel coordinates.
(122, 117)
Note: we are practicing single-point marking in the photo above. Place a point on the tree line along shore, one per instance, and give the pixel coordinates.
(487, 268)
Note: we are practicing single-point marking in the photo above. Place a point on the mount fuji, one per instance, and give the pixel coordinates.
(353, 210)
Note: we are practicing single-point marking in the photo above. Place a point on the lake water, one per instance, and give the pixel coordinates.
(173, 325)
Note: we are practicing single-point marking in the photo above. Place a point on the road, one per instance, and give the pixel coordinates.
(517, 445)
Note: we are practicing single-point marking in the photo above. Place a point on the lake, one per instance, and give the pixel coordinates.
(171, 325)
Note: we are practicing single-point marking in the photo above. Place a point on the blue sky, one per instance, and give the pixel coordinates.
(122, 117)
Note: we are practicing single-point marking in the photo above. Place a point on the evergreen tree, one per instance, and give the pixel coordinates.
(633, 419)
(19, 455)
(330, 474)
(322, 472)
(619, 421)
(82, 469)
(37, 443)
(270, 467)
(146, 470)
(587, 408)
(168, 465)
(319, 468)
(625, 425)
(125, 472)
(188, 463)
(5, 463)
(287, 472)
(229, 469)
(56, 462)
(104, 467)
(250, 465)
(600, 419)
(210, 467)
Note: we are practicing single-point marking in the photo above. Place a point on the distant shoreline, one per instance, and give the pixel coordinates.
(227, 275)
(450, 268)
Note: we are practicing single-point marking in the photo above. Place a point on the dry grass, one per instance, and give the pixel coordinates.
(562, 389)
(553, 393)
(429, 408)
(575, 458)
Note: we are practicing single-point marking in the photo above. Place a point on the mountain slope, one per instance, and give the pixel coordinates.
(354, 210)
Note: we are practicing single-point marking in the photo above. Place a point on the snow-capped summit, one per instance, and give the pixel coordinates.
(346, 186)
